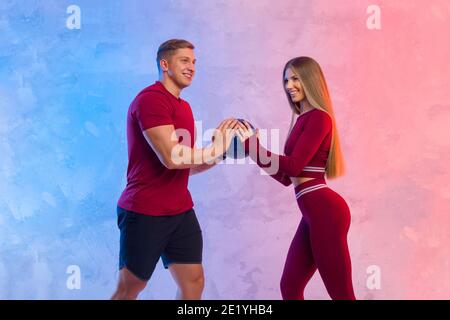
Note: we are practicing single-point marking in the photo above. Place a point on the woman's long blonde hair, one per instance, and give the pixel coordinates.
(316, 92)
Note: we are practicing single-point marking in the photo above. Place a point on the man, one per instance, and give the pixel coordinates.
(155, 211)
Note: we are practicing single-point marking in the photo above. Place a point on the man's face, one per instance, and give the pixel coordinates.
(181, 67)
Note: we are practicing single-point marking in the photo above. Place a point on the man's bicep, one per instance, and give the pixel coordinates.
(162, 139)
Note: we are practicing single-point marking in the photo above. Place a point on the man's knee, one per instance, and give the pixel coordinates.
(194, 282)
(128, 291)
(197, 281)
(129, 285)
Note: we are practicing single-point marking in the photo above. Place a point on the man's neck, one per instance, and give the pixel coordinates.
(171, 87)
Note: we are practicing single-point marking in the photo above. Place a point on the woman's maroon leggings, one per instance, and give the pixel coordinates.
(319, 243)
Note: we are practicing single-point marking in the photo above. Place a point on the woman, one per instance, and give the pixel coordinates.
(312, 150)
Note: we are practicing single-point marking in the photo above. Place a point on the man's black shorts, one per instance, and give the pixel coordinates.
(143, 239)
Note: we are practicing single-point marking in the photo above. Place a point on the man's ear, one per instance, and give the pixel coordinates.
(164, 65)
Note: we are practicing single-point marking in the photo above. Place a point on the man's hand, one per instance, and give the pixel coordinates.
(224, 134)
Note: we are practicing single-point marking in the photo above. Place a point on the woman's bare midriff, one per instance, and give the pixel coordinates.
(297, 181)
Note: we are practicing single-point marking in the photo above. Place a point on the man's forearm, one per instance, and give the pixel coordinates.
(184, 157)
(201, 168)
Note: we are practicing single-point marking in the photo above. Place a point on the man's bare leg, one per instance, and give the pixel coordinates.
(129, 286)
(190, 280)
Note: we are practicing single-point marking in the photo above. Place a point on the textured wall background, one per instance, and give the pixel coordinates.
(63, 101)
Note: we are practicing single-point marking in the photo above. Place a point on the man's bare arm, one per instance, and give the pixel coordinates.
(201, 168)
(173, 155)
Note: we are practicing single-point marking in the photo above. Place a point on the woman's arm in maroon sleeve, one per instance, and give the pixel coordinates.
(308, 142)
(282, 178)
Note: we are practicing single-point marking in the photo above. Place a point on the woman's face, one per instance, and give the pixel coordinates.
(293, 86)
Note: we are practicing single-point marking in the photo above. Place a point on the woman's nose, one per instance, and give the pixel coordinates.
(289, 85)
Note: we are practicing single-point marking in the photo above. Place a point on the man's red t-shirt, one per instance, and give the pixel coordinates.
(152, 189)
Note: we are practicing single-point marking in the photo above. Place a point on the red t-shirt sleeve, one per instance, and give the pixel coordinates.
(308, 142)
(152, 109)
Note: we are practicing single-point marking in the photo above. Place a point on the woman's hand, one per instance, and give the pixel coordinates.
(246, 131)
